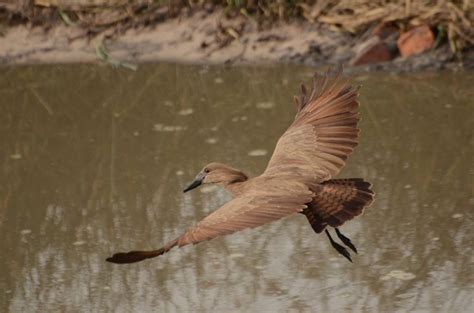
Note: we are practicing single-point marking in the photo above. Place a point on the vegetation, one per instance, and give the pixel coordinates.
(452, 20)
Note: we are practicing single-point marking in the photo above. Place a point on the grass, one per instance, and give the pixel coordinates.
(452, 20)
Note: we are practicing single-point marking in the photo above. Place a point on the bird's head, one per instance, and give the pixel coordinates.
(216, 173)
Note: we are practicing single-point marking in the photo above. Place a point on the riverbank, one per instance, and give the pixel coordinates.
(212, 36)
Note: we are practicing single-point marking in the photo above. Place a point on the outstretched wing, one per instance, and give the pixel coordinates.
(273, 199)
(323, 134)
(313, 149)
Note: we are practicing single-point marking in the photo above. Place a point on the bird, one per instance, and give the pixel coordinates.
(298, 178)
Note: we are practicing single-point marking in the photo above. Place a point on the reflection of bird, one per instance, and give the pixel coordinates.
(297, 179)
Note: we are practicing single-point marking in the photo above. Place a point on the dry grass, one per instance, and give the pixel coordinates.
(451, 19)
(454, 18)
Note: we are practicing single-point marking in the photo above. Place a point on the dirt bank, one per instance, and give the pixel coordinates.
(207, 37)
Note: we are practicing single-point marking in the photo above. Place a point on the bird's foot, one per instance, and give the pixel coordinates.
(345, 240)
(343, 251)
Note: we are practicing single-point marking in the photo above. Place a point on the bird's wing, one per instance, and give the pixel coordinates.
(323, 134)
(271, 200)
(313, 149)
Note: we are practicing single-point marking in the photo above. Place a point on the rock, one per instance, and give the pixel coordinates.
(374, 50)
(415, 41)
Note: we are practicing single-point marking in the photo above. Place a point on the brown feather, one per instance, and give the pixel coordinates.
(327, 115)
(337, 201)
(297, 179)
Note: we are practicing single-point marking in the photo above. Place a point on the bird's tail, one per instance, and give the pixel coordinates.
(137, 256)
(337, 201)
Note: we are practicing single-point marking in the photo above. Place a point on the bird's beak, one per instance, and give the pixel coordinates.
(196, 182)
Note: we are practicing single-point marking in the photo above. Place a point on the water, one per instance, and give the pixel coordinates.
(93, 161)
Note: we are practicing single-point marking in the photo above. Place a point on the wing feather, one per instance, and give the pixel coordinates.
(323, 134)
(312, 150)
(273, 201)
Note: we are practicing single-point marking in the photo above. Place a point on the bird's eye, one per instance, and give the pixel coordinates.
(206, 170)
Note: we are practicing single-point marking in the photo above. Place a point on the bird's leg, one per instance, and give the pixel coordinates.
(338, 247)
(345, 240)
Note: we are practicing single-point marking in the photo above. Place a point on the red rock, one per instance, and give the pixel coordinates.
(415, 41)
(371, 51)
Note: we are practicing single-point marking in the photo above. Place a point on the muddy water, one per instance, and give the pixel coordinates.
(93, 160)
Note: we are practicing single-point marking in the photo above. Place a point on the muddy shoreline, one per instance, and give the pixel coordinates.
(207, 38)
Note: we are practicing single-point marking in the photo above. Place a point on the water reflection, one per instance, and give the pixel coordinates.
(94, 160)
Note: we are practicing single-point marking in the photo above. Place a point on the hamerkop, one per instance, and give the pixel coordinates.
(298, 178)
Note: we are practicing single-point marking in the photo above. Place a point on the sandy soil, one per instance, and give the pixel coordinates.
(206, 38)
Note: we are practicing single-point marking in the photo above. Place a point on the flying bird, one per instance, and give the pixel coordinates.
(298, 177)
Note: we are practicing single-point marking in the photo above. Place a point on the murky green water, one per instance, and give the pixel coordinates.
(93, 160)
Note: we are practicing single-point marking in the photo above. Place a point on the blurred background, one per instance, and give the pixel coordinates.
(102, 125)
(396, 35)
(94, 160)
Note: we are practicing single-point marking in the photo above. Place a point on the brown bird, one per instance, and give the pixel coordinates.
(298, 178)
